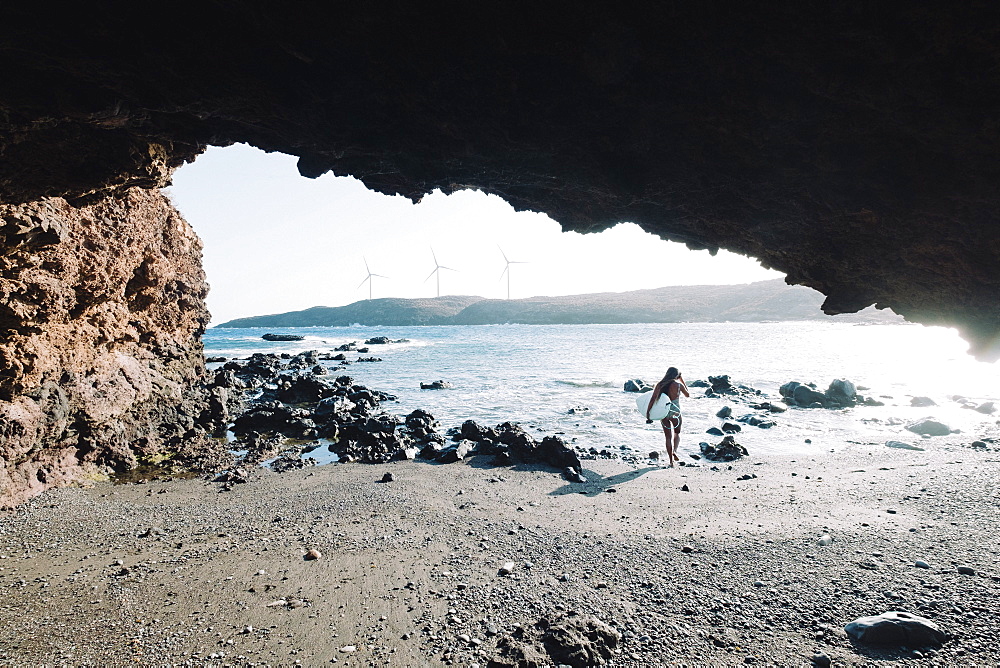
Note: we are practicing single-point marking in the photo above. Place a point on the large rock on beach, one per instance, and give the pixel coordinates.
(637, 385)
(922, 402)
(842, 392)
(807, 397)
(929, 427)
(896, 629)
(436, 385)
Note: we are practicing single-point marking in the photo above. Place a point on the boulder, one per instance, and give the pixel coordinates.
(922, 402)
(929, 427)
(715, 431)
(282, 337)
(333, 408)
(378, 341)
(731, 427)
(896, 629)
(755, 421)
(636, 385)
(805, 396)
(456, 452)
(843, 392)
(306, 389)
(214, 359)
(347, 347)
(554, 450)
(724, 412)
(987, 408)
(721, 385)
(436, 385)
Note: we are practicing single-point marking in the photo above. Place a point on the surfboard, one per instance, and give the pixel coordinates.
(659, 410)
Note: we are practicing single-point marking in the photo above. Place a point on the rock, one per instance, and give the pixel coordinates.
(312, 555)
(378, 341)
(507, 568)
(347, 347)
(826, 539)
(987, 408)
(319, 370)
(387, 477)
(685, 488)
(579, 641)
(921, 564)
(636, 385)
(922, 402)
(902, 446)
(436, 385)
(966, 570)
(214, 359)
(726, 451)
(654, 455)
(896, 629)
(721, 385)
(456, 452)
(282, 337)
(755, 421)
(577, 410)
(715, 431)
(821, 660)
(929, 427)
(731, 428)
(842, 392)
(573, 475)
(724, 412)
(805, 396)
(687, 549)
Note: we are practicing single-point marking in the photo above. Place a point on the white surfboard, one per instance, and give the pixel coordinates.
(659, 410)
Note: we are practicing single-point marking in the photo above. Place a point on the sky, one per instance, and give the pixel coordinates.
(275, 241)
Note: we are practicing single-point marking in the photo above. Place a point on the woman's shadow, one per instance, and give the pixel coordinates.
(596, 483)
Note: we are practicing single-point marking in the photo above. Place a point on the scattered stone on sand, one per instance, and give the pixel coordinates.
(727, 450)
(573, 475)
(919, 563)
(821, 660)
(966, 570)
(507, 568)
(896, 629)
(312, 554)
(724, 412)
(929, 427)
(387, 477)
(826, 539)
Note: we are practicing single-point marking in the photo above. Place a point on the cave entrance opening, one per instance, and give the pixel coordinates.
(276, 242)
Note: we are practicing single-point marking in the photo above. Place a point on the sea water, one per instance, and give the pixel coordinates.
(537, 374)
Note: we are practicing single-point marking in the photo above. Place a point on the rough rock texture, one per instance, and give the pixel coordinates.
(852, 145)
(101, 313)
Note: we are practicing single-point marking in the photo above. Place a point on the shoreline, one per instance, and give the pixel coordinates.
(199, 567)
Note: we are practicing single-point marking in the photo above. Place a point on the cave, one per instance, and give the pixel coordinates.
(852, 147)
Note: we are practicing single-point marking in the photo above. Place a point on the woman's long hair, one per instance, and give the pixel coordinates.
(672, 374)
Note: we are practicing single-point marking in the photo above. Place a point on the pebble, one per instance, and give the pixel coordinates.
(966, 570)
(387, 477)
(687, 549)
(348, 649)
(312, 555)
(921, 564)
(685, 488)
(826, 539)
(507, 568)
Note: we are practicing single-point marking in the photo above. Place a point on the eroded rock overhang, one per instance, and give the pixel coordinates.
(852, 147)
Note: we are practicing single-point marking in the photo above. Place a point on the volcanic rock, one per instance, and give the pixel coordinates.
(896, 629)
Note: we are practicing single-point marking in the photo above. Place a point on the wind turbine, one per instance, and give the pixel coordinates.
(437, 270)
(506, 270)
(368, 278)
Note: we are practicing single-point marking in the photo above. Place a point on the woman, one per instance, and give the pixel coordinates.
(672, 385)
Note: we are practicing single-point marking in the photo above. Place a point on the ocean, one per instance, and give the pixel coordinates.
(535, 375)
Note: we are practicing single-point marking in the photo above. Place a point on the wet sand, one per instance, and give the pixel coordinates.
(178, 572)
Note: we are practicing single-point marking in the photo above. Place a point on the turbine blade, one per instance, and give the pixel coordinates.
(380, 275)
(434, 256)
(364, 281)
(448, 268)
(366, 264)
(504, 272)
(504, 254)
(431, 274)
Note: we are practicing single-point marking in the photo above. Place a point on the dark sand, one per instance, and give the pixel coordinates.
(179, 572)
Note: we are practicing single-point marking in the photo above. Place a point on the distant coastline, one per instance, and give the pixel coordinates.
(754, 302)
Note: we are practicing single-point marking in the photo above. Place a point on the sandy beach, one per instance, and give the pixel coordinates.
(691, 566)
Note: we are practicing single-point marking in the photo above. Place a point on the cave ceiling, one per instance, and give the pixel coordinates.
(852, 146)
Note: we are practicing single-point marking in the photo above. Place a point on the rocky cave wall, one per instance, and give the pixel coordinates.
(101, 312)
(852, 146)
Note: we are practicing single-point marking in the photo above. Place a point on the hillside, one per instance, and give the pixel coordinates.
(764, 300)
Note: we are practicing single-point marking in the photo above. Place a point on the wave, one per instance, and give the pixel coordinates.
(588, 383)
